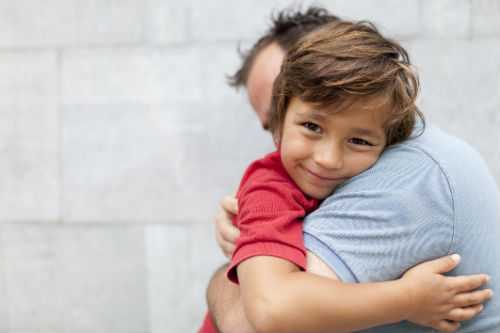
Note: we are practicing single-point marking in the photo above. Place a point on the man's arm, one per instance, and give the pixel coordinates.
(223, 296)
(225, 306)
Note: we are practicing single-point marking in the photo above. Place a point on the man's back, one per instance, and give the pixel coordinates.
(425, 198)
(477, 223)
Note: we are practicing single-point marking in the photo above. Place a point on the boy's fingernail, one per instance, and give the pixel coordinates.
(488, 278)
(455, 257)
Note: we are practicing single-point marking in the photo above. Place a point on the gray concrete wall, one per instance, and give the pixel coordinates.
(118, 136)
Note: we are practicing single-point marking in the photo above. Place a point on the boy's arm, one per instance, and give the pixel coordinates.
(277, 297)
(224, 298)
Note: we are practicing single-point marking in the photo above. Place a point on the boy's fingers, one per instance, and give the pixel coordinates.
(468, 282)
(226, 247)
(230, 233)
(230, 205)
(228, 251)
(226, 228)
(226, 233)
(443, 264)
(472, 298)
(461, 314)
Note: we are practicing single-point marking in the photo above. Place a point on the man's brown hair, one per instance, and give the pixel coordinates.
(341, 61)
(287, 27)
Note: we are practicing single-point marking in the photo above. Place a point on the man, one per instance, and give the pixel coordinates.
(422, 200)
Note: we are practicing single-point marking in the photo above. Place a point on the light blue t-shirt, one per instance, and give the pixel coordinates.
(425, 198)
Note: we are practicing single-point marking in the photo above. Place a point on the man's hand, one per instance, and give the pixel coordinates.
(225, 232)
(439, 301)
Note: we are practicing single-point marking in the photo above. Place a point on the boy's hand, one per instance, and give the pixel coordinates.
(439, 301)
(225, 232)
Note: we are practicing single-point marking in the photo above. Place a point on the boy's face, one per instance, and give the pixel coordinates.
(321, 149)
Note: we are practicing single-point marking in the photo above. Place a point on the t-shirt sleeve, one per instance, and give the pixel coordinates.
(385, 220)
(270, 221)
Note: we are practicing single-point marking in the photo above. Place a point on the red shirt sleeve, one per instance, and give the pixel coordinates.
(208, 325)
(271, 209)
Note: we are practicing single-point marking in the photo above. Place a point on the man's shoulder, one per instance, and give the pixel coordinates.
(432, 152)
(435, 146)
(436, 152)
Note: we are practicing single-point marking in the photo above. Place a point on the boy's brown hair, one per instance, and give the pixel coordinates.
(341, 61)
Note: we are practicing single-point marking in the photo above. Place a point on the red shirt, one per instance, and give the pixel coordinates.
(208, 325)
(270, 212)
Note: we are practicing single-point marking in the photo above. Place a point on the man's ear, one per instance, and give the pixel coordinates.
(277, 138)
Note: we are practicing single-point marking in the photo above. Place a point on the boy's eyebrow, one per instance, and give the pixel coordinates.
(313, 113)
(366, 132)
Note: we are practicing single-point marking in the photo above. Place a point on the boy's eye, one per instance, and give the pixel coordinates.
(358, 141)
(311, 126)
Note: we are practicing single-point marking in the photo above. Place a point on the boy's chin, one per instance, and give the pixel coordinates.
(319, 194)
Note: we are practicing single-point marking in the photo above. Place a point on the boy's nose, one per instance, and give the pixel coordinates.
(330, 156)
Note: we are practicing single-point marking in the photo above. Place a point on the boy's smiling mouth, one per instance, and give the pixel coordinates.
(324, 178)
